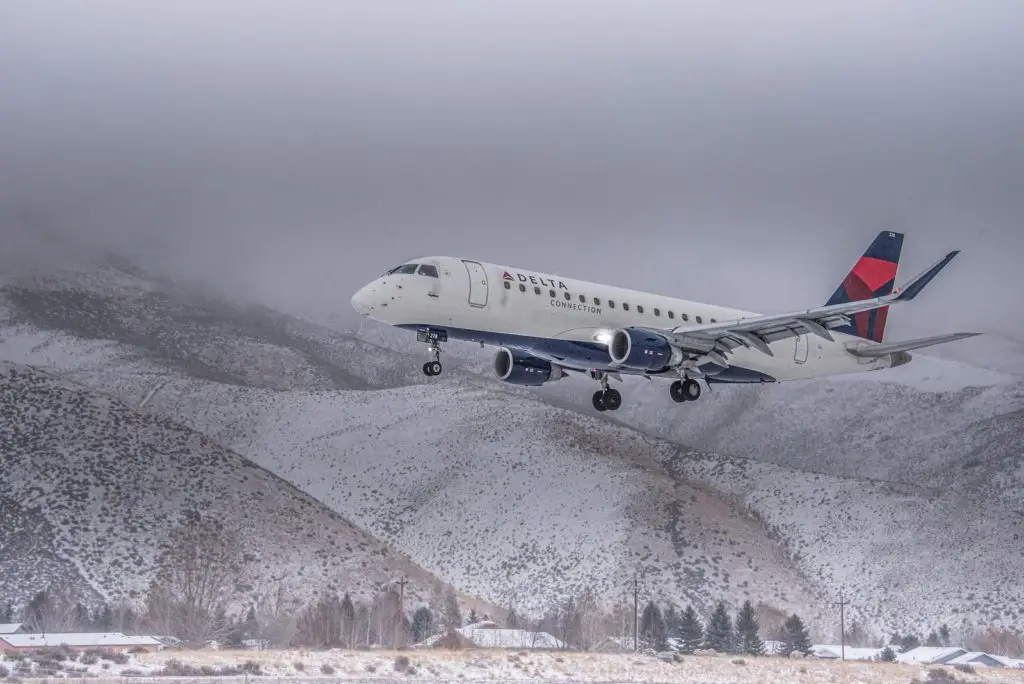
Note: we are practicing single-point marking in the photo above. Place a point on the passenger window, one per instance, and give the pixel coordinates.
(508, 285)
(657, 312)
(639, 309)
(685, 317)
(671, 315)
(522, 288)
(536, 290)
(611, 304)
(428, 270)
(625, 307)
(583, 299)
(597, 302)
(552, 293)
(567, 296)
(713, 320)
(699, 319)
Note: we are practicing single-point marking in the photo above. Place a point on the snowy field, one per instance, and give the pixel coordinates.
(484, 665)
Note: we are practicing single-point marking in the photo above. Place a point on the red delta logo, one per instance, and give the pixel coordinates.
(506, 276)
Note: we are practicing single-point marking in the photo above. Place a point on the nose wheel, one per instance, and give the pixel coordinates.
(685, 390)
(433, 338)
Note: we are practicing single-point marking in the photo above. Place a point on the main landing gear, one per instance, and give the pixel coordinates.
(685, 390)
(605, 399)
(433, 340)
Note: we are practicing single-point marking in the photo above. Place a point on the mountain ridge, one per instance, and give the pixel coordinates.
(830, 439)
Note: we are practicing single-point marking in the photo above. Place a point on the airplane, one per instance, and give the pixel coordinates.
(546, 326)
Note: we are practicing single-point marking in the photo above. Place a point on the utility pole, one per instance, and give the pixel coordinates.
(636, 618)
(842, 623)
(401, 609)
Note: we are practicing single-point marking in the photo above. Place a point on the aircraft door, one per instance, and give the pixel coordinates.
(801, 349)
(477, 283)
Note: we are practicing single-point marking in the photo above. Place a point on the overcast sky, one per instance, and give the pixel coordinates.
(740, 153)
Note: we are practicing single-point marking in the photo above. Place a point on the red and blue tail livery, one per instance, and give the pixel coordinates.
(874, 275)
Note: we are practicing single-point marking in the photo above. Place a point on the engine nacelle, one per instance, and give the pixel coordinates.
(520, 368)
(642, 350)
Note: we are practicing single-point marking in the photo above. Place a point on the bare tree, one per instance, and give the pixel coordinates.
(196, 572)
(593, 623)
(275, 615)
(53, 610)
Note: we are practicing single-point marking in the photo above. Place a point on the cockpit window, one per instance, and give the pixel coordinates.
(404, 269)
(428, 270)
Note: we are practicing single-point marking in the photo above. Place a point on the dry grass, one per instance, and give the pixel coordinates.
(483, 664)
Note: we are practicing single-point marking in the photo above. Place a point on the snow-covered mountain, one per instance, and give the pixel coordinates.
(904, 487)
(90, 489)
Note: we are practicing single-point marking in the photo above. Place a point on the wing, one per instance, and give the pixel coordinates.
(757, 332)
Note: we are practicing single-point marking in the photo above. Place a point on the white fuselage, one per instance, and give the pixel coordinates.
(516, 308)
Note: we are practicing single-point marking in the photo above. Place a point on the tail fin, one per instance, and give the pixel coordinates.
(874, 275)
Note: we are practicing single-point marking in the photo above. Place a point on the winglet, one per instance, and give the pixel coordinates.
(918, 283)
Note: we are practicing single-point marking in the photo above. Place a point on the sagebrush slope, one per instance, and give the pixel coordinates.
(107, 484)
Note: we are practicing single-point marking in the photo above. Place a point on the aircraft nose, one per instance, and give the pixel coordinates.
(361, 301)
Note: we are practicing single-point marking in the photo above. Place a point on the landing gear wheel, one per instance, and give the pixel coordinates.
(612, 400)
(598, 401)
(691, 389)
(432, 368)
(685, 390)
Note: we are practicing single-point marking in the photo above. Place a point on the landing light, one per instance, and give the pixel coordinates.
(603, 336)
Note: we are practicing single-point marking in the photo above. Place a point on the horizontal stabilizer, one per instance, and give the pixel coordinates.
(914, 287)
(875, 350)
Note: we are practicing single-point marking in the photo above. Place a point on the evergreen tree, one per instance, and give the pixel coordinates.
(7, 613)
(347, 621)
(473, 619)
(909, 643)
(452, 615)
(796, 637)
(887, 655)
(106, 619)
(422, 624)
(672, 622)
(932, 640)
(82, 620)
(251, 625)
(691, 632)
(652, 627)
(747, 639)
(718, 636)
(944, 636)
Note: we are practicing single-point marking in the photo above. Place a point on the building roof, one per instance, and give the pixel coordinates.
(10, 628)
(979, 658)
(851, 652)
(86, 639)
(931, 655)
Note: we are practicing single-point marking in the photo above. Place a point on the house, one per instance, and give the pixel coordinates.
(12, 628)
(931, 655)
(108, 641)
(487, 634)
(836, 652)
(979, 658)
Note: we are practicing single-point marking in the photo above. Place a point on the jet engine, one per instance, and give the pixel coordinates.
(642, 350)
(520, 368)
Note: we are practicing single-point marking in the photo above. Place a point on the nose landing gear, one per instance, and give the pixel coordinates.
(433, 338)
